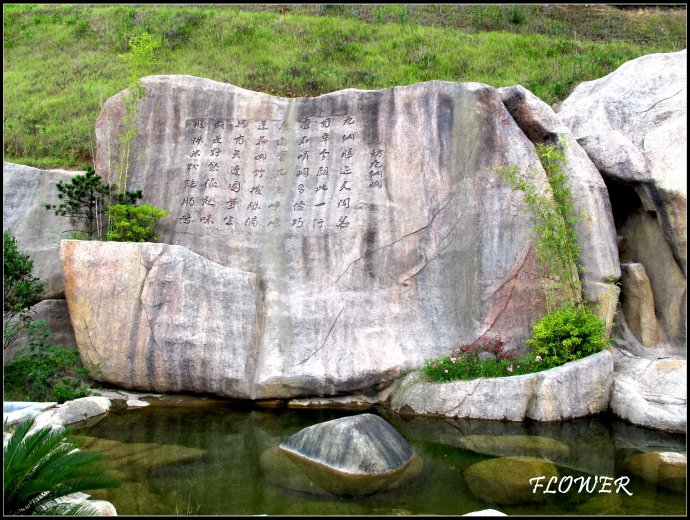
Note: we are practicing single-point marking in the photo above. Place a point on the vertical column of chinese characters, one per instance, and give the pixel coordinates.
(324, 145)
(375, 176)
(238, 145)
(279, 174)
(195, 138)
(260, 156)
(212, 170)
(302, 173)
(347, 155)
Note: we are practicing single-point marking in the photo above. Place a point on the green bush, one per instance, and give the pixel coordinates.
(133, 223)
(45, 372)
(43, 467)
(20, 289)
(567, 334)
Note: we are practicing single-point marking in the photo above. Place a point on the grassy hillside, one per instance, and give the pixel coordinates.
(61, 62)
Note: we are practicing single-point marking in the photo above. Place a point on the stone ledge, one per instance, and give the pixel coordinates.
(576, 389)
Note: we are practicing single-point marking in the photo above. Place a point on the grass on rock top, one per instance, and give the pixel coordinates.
(61, 61)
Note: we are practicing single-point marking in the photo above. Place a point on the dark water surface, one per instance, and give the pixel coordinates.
(205, 461)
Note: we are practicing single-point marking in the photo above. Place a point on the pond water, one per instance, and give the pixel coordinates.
(206, 461)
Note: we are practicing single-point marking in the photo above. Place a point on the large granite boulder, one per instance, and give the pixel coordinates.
(376, 221)
(25, 191)
(633, 125)
(576, 389)
(651, 392)
(351, 456)
(162, 318)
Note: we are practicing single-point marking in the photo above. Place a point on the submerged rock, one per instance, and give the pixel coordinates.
(505, 480)
(351, 456)
(666, 469)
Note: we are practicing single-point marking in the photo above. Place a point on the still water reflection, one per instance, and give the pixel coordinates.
(205, 461)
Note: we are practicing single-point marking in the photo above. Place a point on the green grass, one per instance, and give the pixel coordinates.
(61, 61)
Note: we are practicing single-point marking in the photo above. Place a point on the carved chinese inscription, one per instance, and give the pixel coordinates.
(302, 176)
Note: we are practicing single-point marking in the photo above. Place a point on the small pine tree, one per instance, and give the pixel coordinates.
(85, 200)
(21, 290)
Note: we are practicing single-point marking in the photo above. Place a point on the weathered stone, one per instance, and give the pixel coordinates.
(576, 389)
(71, 412)
(642, 242)
(364, 275)
(595, 230)
(162, 318)
(665, 469)
(633, 125)
(638, 304)
(353, 456)
(505, 480)
(25, 191)
(651, 392)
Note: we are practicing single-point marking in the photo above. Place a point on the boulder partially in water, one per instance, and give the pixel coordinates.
(351, 456)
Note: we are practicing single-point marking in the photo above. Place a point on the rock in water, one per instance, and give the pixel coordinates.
(350, 456)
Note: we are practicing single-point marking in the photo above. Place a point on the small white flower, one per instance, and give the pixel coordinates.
(537, 359)
(446, 370)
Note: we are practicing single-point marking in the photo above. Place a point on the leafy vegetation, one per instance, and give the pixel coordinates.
(133, 223)
(42, 467)
(50, 103)
(86, 199)
(45, 372)
(20, 289)
(554, 216)
(567, 334)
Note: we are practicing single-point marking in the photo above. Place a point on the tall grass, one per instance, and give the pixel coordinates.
(61, 64)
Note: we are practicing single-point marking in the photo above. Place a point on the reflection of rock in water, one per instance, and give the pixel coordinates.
(351, 456)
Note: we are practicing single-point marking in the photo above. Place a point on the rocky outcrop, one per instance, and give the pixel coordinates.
(25, 191)
(79, 410)
(162, 318)
(651, 392)
(506, 480)
(352, 456)
(595, 230)
(638, 304)
(376, 221)
(576, 389)
(633, 125)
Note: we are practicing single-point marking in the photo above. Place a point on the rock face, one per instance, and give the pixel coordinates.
(595, 230)
(162, 318)
(638, 304)
(25, 190)
(351, 456)
(651, 392)
(633, 125)
(505, 480)
(576, 389)
(376, 221)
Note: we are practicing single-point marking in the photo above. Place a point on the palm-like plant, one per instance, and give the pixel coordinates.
(44, 467)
